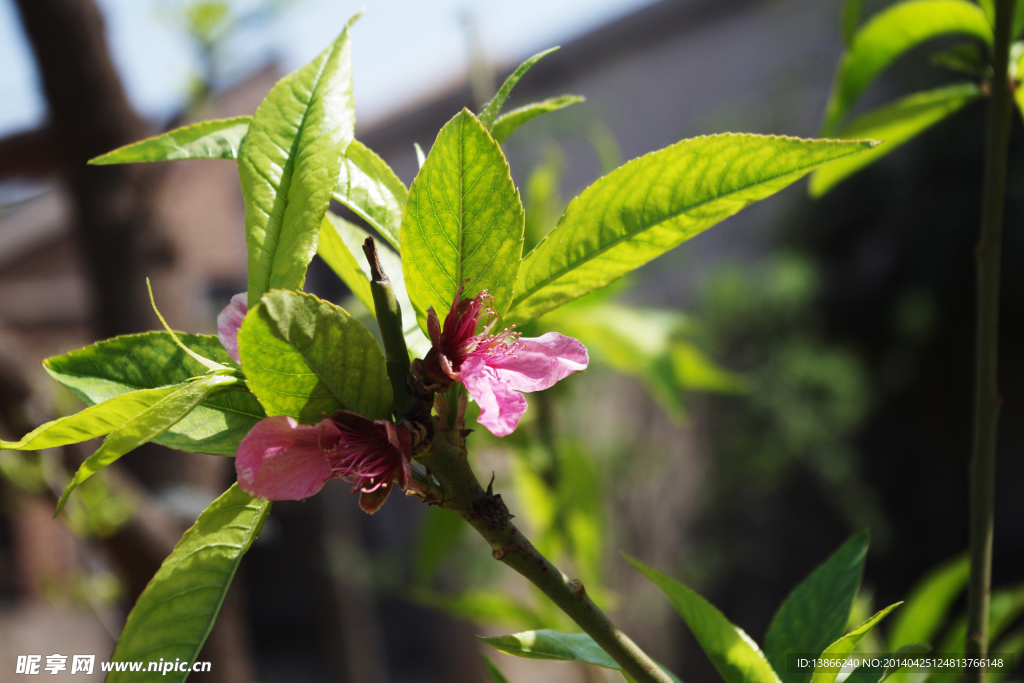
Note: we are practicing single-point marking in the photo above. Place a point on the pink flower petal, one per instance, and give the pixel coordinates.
(229, 321)
(539, 362)
(280, 459)
(500, 406)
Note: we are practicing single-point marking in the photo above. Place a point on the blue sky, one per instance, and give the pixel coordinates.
(403, 49)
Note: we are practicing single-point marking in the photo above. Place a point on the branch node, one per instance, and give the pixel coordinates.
(576, 586)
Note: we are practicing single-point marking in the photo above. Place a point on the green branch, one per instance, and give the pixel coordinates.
(987, 400)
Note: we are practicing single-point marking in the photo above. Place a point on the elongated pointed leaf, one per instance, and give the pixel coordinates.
(490, 111)
(217, 139)
(151, 360)
(306, 358)
(369, 187)
(925, 610)
(174, 615)
(481, 607)
(148, 424)
(463, 221)
(893, 125)
(816, 612)
(851, 20)
(289, 166)
(844, 646)
(733, 652)
(93, 422)
(341, 248)
(509, 122)
(654, 203)
(889, 34)
(557, 645)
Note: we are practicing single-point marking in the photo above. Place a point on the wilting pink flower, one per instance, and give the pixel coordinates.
(496, 368)
(229, 321)
(280, 459)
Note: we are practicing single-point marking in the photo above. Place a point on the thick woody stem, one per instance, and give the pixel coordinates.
(486, 513)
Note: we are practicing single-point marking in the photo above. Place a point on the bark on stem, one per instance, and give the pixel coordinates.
(987, 400)
(486, 513)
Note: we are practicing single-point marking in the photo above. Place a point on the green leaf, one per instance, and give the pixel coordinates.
(851, 20)
(289, 165)
(926, 607)
(733, 652)
(174, 615)
(557, 645)
(463, 221)
(654, 203)
(306, 358)
(844, 646)
(341, 248)
(151, 360)
(893, 124)
(965, 58)
(493, 672)
(148, 424)
(369, 187)
(490, 111)
(888, 35)
(217, 139)
(816, 612)
(93, 422)
(481, 607)
(874, 674)
(1017, 67)
(507, 123)
(696, 371)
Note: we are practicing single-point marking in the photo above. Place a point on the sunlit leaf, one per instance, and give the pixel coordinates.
(174, 615)
(889, 34)
(509, 122)
(340, 247)
(893, 125)
(368, 186)
(306, 358)
(489, 113)
(481, 607)
(816, 612)
(145, 426)
(654, 203)
(217, 139)
(733, 652)
(289, 165)
(151, 360)
(463, 221)
(925, 608)
(844, 646)
(696, 371)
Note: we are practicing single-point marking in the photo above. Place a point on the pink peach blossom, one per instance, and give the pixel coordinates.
(229, 321)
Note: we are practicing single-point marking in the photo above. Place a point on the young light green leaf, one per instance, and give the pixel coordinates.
(341, 248)
(463, 222)
(925, 609)
(889, 34)
(493, 672)
(174, 615)
(217, 139)
(481, 607)
(893, 124)
(507, 123)
(557, 645)
(151, 360)
(306, 358)
(696, 371)
(851, 20)
(369, 187)
(867, 673)
(654, 203)
(733, 652)
(844, 646)
(1017, 67)
(149, 424)
(289, 165)
(202, 360)
(93, 422)
(490, 111)
(816, 612)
